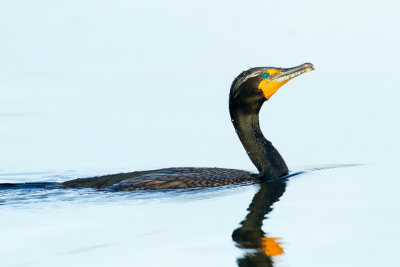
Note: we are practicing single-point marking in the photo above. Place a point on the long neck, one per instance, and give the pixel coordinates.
(262, 153)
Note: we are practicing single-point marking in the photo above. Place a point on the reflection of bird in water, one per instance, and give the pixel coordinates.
(250, 234)
(248, 93)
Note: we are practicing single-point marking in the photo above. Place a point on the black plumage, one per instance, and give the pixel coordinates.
(245, 101)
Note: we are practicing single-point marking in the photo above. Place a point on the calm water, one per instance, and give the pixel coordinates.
(338, 214)
(124, 85)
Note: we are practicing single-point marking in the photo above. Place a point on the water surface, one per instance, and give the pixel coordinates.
(343, 212)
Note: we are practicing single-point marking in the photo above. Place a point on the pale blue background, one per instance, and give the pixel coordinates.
(133, 85)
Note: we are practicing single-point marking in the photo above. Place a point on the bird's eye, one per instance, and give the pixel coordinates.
(265, 75)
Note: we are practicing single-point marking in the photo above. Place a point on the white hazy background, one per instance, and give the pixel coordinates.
(129, 85)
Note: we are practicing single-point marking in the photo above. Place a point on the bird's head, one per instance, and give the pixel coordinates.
(254, 86)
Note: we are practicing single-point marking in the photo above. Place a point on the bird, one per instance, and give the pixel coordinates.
(248, 92)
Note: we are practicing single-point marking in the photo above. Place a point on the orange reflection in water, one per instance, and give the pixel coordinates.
(271, 246)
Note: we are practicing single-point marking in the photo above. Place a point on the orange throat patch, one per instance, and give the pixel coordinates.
(270, 87)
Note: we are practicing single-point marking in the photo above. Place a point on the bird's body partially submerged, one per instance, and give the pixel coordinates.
(171, 178)
(248, 93)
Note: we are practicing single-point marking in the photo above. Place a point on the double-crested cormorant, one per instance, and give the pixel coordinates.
(248, 93)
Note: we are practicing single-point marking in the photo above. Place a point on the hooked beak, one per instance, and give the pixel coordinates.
(290, 73)
(282, 76)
